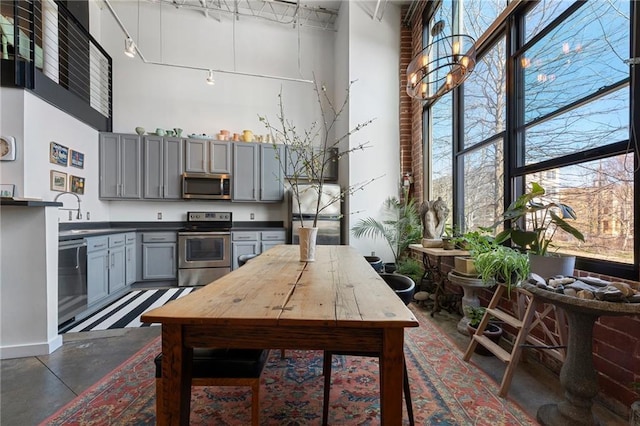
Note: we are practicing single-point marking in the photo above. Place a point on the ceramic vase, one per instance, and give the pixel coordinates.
(308, 244)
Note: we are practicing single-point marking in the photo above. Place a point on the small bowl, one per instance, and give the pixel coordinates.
(140, 130)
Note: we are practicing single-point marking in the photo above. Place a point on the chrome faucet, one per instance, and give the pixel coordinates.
(79, 215)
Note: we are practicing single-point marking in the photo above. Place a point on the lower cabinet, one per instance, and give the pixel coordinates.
(106, 266)
(97, 269)
(254, 242)
(159, 256)
(117, 264)
(130, 258)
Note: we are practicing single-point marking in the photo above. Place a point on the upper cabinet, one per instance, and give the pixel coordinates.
(151, 167)
(120, 166)
(257, 173)
(163, 166)
(204, 156)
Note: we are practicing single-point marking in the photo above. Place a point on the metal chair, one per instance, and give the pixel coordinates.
(404, 288)
(244, 258)
(224, 367)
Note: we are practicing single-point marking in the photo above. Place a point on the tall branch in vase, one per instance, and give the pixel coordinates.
(307, 152)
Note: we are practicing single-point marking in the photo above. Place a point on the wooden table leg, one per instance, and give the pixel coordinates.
(391, 376)
(175, 401)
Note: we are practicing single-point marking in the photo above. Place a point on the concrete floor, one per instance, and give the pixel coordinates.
(34, 388)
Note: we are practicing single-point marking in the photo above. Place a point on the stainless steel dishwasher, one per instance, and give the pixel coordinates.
(72, 279)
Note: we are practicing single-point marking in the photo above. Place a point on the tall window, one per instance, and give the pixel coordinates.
(549, 102)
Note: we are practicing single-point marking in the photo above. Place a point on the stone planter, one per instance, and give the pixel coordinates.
(548, 266)
(465, 266)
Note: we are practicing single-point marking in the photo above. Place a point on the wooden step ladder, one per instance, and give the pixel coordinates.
(522, 324)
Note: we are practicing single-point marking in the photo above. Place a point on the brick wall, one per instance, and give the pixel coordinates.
(616, 340)
(411, 109)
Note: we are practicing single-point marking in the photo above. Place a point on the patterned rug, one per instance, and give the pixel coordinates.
(445, 391)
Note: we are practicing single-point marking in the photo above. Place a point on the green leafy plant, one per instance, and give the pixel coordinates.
(411, 268)
(400, 227)
(474, 314)
(503, 265)
(541, 221)
(476, 242)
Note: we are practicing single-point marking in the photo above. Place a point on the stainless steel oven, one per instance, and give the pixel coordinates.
(204, 248)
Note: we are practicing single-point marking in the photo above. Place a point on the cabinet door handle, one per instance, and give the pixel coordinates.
(106, 266)
(113, 260)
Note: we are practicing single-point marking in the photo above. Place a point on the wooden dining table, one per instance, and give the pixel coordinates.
(338, 302)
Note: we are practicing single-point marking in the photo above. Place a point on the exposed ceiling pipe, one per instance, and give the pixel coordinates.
(375, 12)
(215, 70)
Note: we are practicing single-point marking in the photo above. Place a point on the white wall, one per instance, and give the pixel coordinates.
(28, 281)
(374, 57)
(12, 124)
(152, 96)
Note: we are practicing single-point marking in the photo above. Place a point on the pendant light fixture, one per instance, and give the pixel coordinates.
(210, 79)
(441, 66)
(129, 47)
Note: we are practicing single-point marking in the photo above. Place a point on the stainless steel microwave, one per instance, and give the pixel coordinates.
(206, 186)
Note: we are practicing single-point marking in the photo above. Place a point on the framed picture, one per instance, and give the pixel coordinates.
(77, 184)
(7, 190)
(77, 159)
(58, 181)
(58, 154)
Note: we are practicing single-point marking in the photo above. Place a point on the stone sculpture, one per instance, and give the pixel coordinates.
(434, 215)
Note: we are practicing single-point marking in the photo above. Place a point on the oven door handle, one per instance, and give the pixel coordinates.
(204, 234)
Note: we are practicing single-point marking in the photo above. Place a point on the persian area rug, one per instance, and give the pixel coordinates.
(445, 391)
(125, 312)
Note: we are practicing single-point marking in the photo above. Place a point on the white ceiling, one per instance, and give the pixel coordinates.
(311, 13)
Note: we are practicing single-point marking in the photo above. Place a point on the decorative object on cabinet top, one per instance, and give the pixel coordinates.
(202, 136)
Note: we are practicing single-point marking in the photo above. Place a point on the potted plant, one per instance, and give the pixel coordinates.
(400, 227)
(534, 222)
(308, 157)
(502, 265)
(475, 242)
(493, 331)
(411, 268)
(449, 238)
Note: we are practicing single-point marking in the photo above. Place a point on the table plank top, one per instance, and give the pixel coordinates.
(339, 289)
(438, 251)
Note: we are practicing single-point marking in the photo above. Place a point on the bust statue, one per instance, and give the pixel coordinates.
(434, 215)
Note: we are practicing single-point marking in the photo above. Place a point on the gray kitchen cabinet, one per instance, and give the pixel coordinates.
(130, 258)
(117, 264)
(163, 166)
(254, 242)
(159, 256)
(220, 157)
(270, 239)
(196, 156)
(257, 174)
(245, 171)
(271, 184)
(243, 242)
(120, 169)
(97, 269)
(205, 156)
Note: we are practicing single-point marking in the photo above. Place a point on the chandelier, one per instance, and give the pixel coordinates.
(441, 66)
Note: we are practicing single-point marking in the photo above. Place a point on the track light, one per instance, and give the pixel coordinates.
(129, 47)
(210, 79)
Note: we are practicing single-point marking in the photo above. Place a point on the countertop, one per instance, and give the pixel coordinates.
(70, 231)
